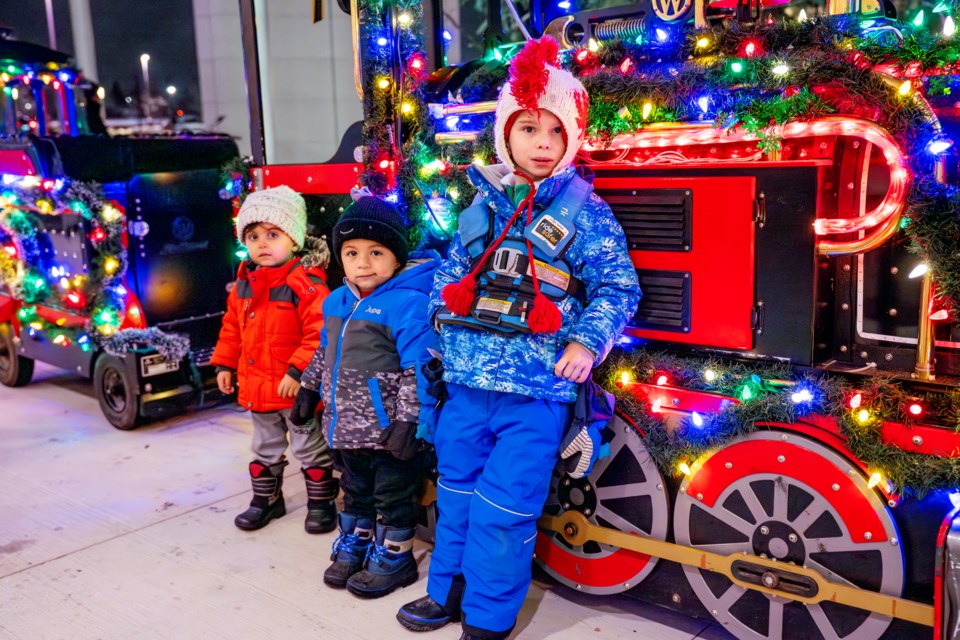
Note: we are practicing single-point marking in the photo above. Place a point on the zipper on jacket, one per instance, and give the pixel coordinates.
(336, 371)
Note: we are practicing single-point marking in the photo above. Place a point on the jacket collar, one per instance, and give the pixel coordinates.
(487, 180)
(270, 275)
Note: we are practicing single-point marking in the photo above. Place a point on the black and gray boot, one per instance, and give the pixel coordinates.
(390, 564)
(322, 491)
(267, 503)
(426, 614)
(349, 549)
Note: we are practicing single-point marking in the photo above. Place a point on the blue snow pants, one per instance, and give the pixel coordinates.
(496, 453)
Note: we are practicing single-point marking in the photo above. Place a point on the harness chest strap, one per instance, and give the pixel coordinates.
(505, 289)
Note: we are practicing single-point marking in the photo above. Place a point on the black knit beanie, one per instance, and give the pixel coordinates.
(371, 218)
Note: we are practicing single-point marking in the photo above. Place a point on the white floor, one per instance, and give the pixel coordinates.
(115, 535)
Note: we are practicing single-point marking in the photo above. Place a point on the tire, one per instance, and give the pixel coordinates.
(116, 393)
(15, 371)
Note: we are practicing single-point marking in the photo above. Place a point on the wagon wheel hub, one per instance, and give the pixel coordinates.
(780, 541)
(577, 495)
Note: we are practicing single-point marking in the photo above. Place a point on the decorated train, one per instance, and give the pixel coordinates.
(785, 459)
(115, 252)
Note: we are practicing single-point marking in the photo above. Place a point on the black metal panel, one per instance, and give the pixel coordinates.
(95, 158)
(786, 263)
(181, 267)
(665, 305)
(41, 348)
(153, 155)
(653, 219)
(891, 299)
(69, 244)
(103, 159)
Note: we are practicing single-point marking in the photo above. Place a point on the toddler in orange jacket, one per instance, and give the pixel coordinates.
(270, 331)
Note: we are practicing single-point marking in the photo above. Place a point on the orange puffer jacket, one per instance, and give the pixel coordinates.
(271, 327)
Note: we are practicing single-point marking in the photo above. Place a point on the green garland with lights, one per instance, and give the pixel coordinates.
(93, 295)
(764, 394)
(754, 77)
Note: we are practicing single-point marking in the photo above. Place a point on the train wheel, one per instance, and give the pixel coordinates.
(791, 498)
(624, 492)
(15, 370)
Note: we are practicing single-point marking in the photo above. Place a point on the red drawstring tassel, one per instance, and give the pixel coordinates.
(459, 296)
(545, 316)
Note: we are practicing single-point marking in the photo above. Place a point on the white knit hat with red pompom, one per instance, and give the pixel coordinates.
(537, 82)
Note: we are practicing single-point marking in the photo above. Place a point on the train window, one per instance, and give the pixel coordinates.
(306, 78)
(52, 109)
(8, 123)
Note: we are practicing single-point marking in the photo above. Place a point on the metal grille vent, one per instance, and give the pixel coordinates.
(653, 219)
(201, 357)
(665, 305)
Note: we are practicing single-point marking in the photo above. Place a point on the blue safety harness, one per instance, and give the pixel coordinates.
(504, 293)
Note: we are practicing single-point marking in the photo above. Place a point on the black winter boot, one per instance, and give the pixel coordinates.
(322, 491)
(267, 502)
(390, 564)
(425, 614)
(349, 550)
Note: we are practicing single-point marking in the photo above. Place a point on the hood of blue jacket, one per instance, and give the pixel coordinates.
(417, 275)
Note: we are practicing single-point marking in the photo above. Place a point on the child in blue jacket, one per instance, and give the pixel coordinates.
(374, 340)
(517, 339)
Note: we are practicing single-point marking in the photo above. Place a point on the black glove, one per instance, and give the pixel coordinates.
(305, 406)
(432, 371)
(400, 439)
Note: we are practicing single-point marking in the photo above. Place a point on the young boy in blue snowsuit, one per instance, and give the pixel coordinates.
(516, 342)
(374, 341)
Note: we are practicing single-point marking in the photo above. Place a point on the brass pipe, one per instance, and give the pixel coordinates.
(355, 36)
(455, 137)
(469, 108)
(924, 368)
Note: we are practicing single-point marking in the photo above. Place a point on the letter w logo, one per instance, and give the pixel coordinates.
(671, 10)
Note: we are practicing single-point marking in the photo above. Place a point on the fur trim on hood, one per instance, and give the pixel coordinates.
(315, 252)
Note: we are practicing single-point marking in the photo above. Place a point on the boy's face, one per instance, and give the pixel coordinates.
(268, 245)
(367, 264)
(536, 145)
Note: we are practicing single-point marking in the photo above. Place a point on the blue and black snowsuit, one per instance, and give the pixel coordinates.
(369, 360)
(500, 430)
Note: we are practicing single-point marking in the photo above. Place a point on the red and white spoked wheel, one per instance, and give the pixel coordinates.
(791, 498)
(623, 492)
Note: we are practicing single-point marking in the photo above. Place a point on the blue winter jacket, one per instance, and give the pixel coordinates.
(369, 359)
(524, 363)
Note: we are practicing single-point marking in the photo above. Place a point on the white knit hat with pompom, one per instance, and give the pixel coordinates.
(280, 206)
(537, 82)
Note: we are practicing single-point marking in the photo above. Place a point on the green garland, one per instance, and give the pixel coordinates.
(171, 346)
(22, 208)
(768, 399)
(829, 71)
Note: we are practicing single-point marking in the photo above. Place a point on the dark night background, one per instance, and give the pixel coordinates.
(123, 29)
